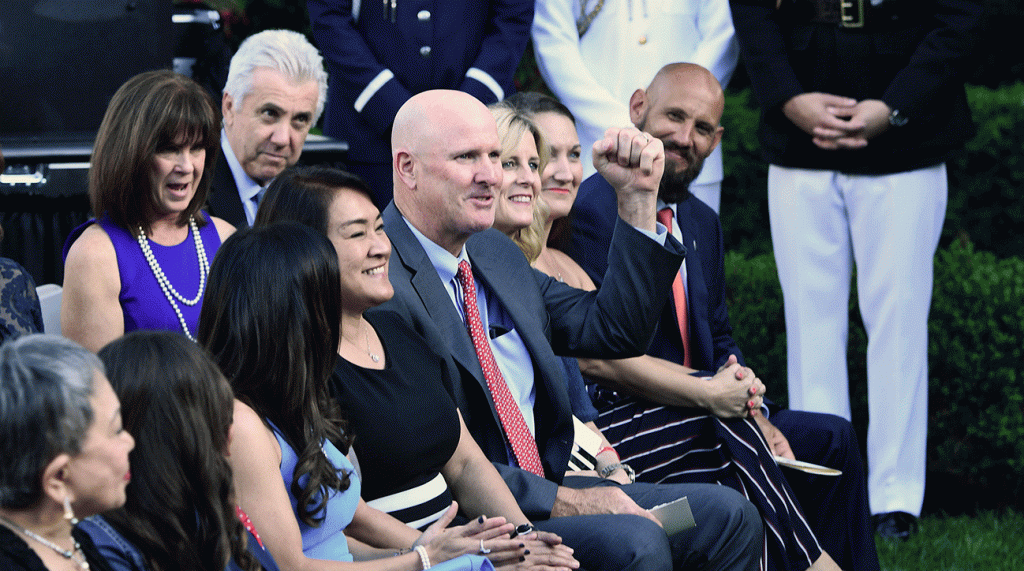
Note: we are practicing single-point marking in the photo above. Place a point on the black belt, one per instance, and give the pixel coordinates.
(843, 13)
(862, 16)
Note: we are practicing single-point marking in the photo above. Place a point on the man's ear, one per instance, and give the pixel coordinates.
(637, 106)
(718, 138)
(227, 108)
(404, 165)
(56, 477)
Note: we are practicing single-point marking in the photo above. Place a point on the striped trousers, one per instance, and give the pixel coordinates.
(671, 444)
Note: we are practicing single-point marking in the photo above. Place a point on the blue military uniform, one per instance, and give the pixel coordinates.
(383, 52)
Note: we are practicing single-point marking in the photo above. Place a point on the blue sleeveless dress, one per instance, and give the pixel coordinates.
(327, 541)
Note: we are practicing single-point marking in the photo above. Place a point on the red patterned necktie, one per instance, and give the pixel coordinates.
(678, 294)
(519, 437)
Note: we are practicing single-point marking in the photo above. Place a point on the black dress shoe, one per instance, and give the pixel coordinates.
(895, 525)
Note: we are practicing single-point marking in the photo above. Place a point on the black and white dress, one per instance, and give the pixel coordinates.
(405, 423)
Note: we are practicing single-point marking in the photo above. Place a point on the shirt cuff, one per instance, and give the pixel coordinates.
(659, 235)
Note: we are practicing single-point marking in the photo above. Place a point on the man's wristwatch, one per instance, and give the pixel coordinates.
(607, 471)
(897, 118)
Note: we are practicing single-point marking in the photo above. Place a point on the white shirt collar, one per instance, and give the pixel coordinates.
(443, 261)
(247, 187)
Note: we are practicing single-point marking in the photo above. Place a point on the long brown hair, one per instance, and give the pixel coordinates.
(151, 111)
(180, 509)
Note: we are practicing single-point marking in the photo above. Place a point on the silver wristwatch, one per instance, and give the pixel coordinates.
(607, 471)
(897, 118)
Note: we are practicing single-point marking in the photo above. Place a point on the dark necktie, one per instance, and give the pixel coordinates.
(256, 198)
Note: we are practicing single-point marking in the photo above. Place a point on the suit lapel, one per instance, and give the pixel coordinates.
(432, 293)
(224, 201)
(515, 292)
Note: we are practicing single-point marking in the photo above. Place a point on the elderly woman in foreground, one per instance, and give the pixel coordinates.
(64, 451)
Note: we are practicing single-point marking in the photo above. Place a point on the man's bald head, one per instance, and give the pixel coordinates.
(683, 107)
(688, 76)
(445, 151)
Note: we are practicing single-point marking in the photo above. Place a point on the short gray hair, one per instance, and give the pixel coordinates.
(286, 51)
(45, 385)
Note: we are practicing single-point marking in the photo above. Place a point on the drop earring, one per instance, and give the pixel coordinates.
(69, 514)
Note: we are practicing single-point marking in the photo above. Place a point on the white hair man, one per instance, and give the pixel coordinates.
(275, 92)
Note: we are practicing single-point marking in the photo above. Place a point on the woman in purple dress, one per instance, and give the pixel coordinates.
(142, 263)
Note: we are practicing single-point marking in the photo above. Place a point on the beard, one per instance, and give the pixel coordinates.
(675, 182)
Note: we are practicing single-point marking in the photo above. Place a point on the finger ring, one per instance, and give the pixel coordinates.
(647, 138)
(483, 550)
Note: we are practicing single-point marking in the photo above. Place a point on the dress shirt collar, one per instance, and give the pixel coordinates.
(247, 187)
(443, 261)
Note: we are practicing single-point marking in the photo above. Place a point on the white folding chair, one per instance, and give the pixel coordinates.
(49, 299)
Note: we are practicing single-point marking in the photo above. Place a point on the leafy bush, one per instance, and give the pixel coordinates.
(986, 202)
(745, 186)
(976, 341)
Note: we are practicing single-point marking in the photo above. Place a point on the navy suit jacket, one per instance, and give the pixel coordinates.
(551, 318)
(711, 341)
(223, 201)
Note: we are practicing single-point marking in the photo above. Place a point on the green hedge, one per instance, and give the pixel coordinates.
(986, 183)
(976, 387)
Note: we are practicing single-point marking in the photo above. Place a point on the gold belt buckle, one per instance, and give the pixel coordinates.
(851, 13)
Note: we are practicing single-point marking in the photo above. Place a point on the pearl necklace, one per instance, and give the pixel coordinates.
(65, 553)
(165, 284)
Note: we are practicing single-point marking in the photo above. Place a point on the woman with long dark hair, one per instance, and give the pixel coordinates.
(272, 322)
(181, 511)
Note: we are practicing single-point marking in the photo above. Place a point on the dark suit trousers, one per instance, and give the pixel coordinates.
(727, 536)
(830, 441)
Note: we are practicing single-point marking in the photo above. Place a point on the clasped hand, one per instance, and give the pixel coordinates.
(836, 122)
(536, 551)
(734, 391)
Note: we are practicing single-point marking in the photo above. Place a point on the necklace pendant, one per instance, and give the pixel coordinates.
(376, 358)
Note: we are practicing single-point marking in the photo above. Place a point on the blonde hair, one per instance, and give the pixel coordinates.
(512, 126)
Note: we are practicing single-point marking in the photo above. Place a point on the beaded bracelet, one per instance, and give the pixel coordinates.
(422, 551)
